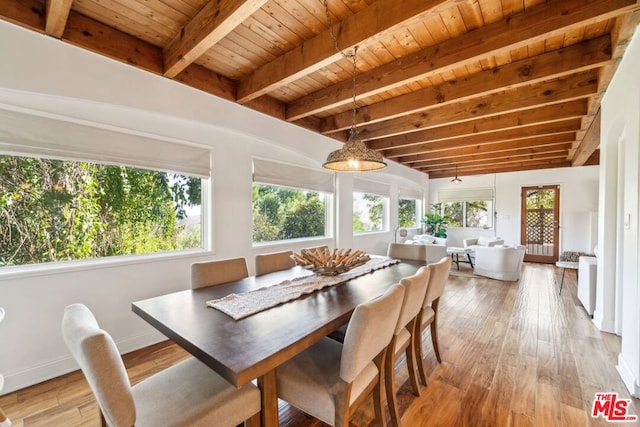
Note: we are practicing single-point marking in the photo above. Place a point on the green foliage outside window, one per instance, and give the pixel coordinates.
(407, 213)
(368, 212)
(52, 210)
(281, 213)
(471, 214)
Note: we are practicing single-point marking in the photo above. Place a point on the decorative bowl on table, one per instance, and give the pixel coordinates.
(325, 262)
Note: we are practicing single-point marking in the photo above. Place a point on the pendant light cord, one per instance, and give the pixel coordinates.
(352, 56)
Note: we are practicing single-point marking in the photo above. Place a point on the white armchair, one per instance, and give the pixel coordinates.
(482, 241)
(499, 262)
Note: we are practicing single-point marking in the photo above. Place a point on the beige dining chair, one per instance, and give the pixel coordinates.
(210, 273)
(329, 380)
(415, 289)
(429, 314)
(186, 394)
(404, 251)
(275, 261)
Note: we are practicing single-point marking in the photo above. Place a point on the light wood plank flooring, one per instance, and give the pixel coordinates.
(514, 354)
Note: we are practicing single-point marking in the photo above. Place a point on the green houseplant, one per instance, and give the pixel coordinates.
(435, 223)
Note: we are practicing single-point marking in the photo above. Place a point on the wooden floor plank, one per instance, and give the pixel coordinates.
(514, 354)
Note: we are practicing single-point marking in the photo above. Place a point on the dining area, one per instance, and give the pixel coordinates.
(247, 357)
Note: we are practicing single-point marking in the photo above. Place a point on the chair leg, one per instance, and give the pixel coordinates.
(378, 403)
(389, 384)
(417, 344)
(254, 421)
(411, 360)
(434, 330)
(562, 281)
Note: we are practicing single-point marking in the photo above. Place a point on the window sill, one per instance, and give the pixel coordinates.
(63, 267)
(369, 233)
(308, 241)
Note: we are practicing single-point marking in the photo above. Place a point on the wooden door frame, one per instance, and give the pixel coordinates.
(556, 226)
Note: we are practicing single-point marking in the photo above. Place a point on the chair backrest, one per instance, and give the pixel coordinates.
(212, 273)
(405, 251)
(415, 289)
(437, 280)
(369, 332)
(100, 361)
(275, 261)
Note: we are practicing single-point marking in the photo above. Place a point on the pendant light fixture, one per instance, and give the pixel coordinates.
(354, 156)
(456, 180)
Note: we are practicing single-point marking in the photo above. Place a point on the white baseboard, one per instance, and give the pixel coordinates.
(602, 324)
(627, 376)
(63, 365)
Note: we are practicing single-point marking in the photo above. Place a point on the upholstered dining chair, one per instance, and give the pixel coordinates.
(429, 314)
(210, 273)
(186, 394)
(404, 251)
(415, 289)
(329, 380)
(275, 261)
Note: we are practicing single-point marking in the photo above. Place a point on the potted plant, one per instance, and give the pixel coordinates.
(434, 223)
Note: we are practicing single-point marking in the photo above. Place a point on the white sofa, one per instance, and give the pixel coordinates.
(434, 250)
(499, 262)
(427, 239)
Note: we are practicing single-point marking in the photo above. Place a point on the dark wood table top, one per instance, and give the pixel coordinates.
(241, 350)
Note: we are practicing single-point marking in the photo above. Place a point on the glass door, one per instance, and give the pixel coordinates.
(540, 223)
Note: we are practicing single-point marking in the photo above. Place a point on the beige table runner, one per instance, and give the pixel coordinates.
(245, 304)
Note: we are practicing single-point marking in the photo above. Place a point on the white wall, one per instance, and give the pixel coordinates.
(618, 267)
(578, 199)
(42, 75)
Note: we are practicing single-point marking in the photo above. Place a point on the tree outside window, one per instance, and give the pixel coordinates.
(369, 212)
(469, 214)
(54, 210)
(282, 213)
(408, 213)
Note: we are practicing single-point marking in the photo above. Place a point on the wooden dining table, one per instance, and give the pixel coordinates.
(253, 347)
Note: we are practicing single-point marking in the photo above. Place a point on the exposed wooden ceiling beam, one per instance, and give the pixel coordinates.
(57, 15)
(320, 51)
(624, 29)
(564, 126)
(514, 167)
(590, 143)
(560, 156)
(100, 38)
(579, 57)
(216, 19)
(527, 143)
(453, 156)
(27, 13)
(545, 93)
(535, 24)
(540, 115)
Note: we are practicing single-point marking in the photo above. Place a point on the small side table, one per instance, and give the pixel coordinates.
(455, 253)
(564, 265)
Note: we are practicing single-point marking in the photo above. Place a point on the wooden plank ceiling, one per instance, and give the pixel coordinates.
(486, 86)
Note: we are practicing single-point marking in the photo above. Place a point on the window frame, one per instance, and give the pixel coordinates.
(328, 217)
(385, 212)
(418, 212)
(43, 268)
(464, 214)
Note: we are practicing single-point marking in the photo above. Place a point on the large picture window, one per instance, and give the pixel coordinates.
(408, 213)
(471, 208)
(369, 212)
(54, 210)
(289, 202)
(281, 213)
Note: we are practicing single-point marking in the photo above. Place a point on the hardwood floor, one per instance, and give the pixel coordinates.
(514, 354)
